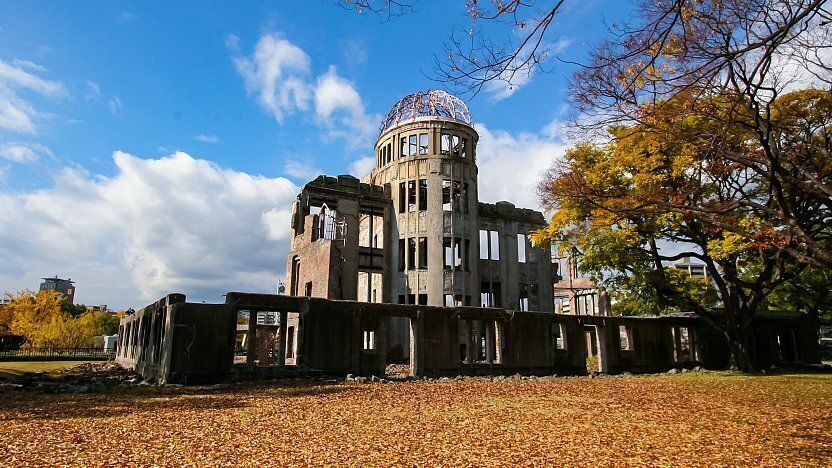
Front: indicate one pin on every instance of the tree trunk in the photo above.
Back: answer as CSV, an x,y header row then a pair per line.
x,y
738,334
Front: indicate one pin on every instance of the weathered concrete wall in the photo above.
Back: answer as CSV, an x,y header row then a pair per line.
x,y
178,342
535,270
171,341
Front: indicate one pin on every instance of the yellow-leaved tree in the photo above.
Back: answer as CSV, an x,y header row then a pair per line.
x,y
38,318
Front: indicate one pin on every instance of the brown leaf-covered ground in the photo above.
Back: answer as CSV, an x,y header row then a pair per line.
x,y
689,419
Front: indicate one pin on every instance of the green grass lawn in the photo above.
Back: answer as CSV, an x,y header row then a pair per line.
x,y
666,420
11,369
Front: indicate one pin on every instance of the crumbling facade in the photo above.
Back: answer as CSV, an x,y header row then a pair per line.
x,y
422,237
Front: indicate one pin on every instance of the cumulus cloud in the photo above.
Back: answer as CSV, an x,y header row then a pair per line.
x,y
16,113
340,108
279,74
276,73
174,224
207,138
362,167
23,152
527,154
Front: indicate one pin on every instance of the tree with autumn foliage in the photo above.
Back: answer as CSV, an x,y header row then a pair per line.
x,y
674,180
41,318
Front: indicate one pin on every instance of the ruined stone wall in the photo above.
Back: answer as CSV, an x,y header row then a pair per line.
x,y
348,337
521,276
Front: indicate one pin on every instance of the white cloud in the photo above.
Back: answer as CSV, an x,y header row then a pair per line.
x,y
301,170
362,167
16,76
16,113
93,91
174,224
276,73
23,152
526,155
28,64
114,105
339,107
207,138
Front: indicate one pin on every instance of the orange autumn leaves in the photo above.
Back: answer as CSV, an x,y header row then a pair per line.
x,y
667,420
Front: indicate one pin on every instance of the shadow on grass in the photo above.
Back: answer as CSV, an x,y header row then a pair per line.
x,y
110,402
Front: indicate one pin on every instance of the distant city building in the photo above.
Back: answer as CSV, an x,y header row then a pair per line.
x,y
575,292
103,309
63,286
693,269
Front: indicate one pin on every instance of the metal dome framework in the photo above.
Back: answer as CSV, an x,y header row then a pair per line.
x,y
433,103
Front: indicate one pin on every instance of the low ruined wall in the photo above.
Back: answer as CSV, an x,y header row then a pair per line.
x,y
171,341
178,342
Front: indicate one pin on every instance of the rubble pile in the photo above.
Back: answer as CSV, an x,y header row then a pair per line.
x,y
82,378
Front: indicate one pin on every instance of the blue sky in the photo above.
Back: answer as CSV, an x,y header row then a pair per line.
x,y
155,147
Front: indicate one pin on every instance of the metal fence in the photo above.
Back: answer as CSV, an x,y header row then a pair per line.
x,y
57,353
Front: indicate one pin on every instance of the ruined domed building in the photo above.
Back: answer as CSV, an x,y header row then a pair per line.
x,y
413,230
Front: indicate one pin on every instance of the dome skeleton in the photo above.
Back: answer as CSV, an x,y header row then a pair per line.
x,y
433,103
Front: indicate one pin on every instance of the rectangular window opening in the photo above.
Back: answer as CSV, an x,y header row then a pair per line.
x,y
625,337
423,143
521,248
587,304
411,195
411,253
483,244
423,194
369,340
494,246
448,300
401,254
559,335
446,195
290,342
523,297
423,253
446,144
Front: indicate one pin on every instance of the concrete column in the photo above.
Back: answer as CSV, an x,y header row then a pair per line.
x,y
252,337
498,341
604,341
391,256
416,345
489,341
469,345
281,344
349,253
